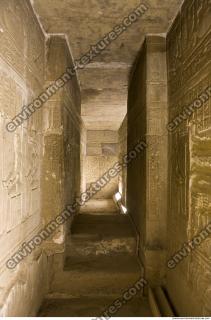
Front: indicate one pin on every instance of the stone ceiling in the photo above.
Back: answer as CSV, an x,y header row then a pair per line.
x,y
104,82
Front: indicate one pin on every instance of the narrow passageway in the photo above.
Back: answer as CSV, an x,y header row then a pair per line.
x,y
105,140
100,266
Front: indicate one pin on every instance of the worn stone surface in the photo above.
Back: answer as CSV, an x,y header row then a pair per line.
x,y
55,155
147,175
94,307
102,151
61,165
104,82
122,152
100,266
189,73
98,206
36,167
22,57
83,140
105,234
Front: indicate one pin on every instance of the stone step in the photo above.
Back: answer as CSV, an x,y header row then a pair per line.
x,y
100,275
95,307
101,246
100,206
97,235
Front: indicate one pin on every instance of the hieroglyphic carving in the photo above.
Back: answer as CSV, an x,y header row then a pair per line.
x,y
147,175
60,172
97,161
20,160
21,76
189,69
27,289
10,155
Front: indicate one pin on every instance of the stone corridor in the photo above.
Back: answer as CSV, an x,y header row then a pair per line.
x,y
105,185
100,265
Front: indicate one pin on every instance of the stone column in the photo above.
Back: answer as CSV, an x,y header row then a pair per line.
x,y
147,174
61,164
156,158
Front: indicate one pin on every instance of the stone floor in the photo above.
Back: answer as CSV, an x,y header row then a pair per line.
x,y
93,307
100,266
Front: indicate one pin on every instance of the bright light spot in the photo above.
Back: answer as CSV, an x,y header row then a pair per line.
x,y
124,210
118,196
120,187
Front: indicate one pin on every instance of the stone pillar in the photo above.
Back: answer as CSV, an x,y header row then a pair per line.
x,y
147,175
61,164
83,157
156,158
122,152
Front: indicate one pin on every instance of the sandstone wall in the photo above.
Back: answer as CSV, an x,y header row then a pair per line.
x,y
40,161
61,160
136,173
122,152
102,151
189,73
83,156
147,174
22,57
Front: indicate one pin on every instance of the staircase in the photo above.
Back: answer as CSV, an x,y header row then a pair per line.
x,y
100,266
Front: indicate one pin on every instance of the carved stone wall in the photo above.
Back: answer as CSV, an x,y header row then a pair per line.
x,y
136,173
40,161
189,73
25,288
122,152
102,151
22,56
61,162
147,174
99,152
